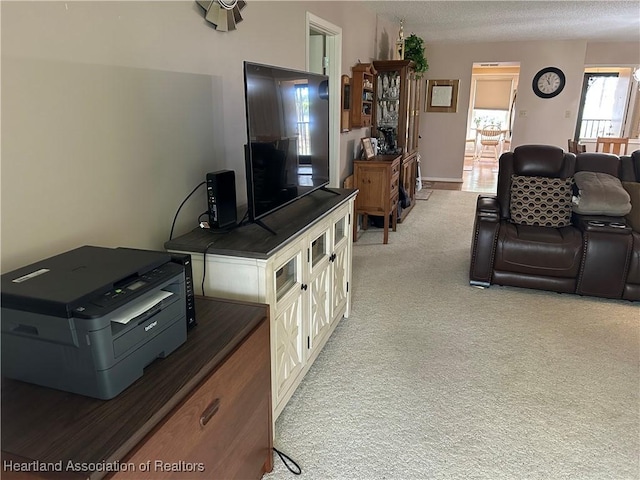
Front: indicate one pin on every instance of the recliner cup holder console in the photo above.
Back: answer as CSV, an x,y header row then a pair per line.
x,y
597,223
604,224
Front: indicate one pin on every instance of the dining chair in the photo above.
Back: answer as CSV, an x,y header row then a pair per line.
x,y
490,137
613,145
576,147
506,141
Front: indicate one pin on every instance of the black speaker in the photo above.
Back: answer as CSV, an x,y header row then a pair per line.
x,y
221,198
185,261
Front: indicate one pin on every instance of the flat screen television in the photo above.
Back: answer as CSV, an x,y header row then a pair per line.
x,y
287,151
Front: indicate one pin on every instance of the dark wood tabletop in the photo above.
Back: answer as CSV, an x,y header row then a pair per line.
x,y
46,425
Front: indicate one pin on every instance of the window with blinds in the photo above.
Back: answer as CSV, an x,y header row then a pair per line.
x,y
493,94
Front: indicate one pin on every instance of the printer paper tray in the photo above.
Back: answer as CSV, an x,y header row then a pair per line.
x,y
140,308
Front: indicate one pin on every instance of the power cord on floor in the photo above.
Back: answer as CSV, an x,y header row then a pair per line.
x,y
285,459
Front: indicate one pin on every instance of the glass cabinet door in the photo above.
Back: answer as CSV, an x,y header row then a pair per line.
x,y
388,111
287,276
319,249
340,230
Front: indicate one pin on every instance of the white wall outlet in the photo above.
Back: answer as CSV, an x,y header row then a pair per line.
x,y
522,113
567,114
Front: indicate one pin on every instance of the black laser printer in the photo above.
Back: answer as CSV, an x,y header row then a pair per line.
x,y
89,320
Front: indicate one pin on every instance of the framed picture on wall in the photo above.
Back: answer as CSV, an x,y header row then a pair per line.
x,y
345,114
442,96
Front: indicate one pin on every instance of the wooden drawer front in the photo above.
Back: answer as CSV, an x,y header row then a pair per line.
x,y
221,428
395,167
395,181
394,202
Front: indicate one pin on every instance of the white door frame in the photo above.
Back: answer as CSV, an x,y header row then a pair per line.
x,y
333,35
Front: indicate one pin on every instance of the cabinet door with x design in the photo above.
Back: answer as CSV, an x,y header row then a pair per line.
x,y
319,263
289,326
311,280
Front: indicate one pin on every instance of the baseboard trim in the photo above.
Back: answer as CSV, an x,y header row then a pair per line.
x,y
441,179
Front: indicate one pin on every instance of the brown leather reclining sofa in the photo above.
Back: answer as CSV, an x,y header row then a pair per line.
x,y
596,255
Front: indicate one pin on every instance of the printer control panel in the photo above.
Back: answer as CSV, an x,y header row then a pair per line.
x,y
121,293
125,291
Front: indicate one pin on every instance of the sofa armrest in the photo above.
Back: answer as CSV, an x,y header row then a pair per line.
x,y
488,208
485,237
607,248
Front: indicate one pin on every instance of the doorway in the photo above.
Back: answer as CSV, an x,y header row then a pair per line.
x,y
324,55
490,118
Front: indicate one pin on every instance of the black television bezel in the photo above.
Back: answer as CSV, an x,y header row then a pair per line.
x,y
247,149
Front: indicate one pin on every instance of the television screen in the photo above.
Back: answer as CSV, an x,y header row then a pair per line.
x,y
287,154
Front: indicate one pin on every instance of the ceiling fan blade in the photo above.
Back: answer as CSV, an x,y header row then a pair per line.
x,y
206,4
231,19
223,20
213,13
237,18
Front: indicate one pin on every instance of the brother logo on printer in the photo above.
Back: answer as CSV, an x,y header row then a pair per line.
x,y
150,326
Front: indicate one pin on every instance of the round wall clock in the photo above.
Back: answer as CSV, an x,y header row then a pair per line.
x,y
548,82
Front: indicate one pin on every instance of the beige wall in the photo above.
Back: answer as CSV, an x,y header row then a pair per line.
x,y
112,112
613,54
548,121
354,44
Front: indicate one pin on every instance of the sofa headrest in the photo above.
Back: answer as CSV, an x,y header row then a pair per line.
x,y
630,167
543,161
598,162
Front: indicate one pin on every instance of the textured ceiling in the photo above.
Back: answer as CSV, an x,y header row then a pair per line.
x,y
482,21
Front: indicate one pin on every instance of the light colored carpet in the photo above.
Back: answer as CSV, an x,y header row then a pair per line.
x,y
432,379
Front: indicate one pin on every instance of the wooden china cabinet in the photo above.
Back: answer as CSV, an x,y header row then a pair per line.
x,y
396,115
363,94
